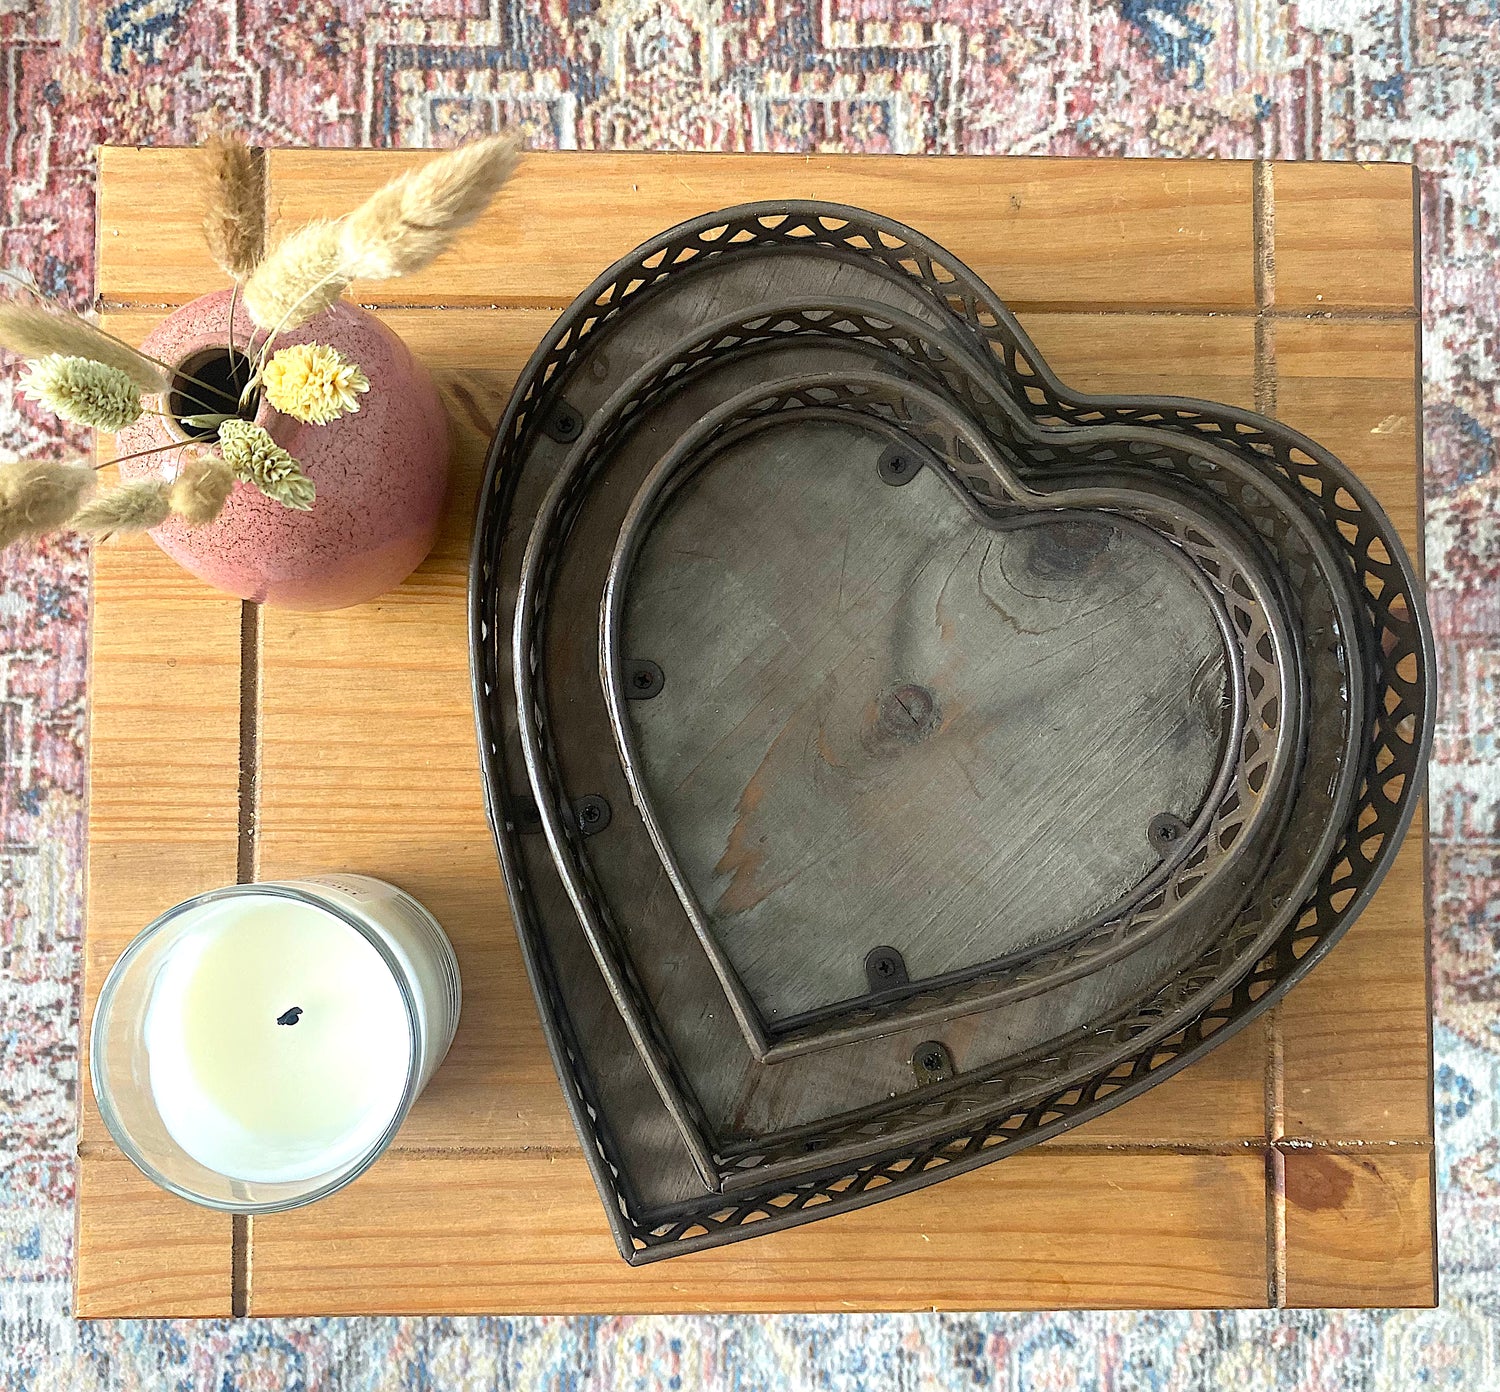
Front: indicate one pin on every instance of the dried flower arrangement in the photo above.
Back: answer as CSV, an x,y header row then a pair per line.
x,y
89,377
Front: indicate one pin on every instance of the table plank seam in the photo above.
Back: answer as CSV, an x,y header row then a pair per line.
x,y
1275,1228
247,866
1263,376
124,304
1263,250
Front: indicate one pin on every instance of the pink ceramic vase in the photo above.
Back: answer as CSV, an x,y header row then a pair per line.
x,y
381,472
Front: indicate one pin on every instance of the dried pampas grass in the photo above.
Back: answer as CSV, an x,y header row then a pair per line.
x,y
234,218
415,217
34,332
396,231
39,495
132,507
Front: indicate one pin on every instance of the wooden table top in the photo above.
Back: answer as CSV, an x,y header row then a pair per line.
x,y
1293,1166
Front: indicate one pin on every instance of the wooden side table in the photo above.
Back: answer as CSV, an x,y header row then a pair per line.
x,y
1292,1167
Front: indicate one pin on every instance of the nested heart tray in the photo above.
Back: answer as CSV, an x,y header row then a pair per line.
x,y
894,756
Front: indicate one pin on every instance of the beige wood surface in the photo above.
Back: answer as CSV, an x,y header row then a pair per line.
x,y
1230,1184
1156,1230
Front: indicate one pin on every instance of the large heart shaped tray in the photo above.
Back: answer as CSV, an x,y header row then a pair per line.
x,y
742,397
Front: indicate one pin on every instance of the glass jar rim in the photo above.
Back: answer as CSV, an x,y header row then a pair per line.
x,y
98,1067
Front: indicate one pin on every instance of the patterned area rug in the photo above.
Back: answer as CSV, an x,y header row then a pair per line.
x,y
1328,79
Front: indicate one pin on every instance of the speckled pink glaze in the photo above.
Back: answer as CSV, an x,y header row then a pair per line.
x,y
381,472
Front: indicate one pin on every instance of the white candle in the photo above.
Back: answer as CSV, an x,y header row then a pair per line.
x,y
278,1042
257,1047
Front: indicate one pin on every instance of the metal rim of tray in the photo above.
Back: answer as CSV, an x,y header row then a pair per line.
x,y
1395,635
580,890
649,1031
571,483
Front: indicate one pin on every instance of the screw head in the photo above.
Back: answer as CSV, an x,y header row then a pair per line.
x,y
1166,830
897,466
591,814
644,679
931,1062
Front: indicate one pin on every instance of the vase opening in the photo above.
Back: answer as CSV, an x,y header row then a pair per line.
x,y
210,382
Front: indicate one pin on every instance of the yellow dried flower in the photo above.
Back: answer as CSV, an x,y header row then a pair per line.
x,y
83,391
39,495
314,383
256,458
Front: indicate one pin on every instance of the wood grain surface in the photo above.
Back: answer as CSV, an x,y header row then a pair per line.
x,y
1293,1165
1155,1230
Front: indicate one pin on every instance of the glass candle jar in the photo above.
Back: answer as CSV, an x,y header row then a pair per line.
x,y
258,1047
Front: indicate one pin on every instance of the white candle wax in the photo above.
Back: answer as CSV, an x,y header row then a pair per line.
x,y
278,1041
256,1047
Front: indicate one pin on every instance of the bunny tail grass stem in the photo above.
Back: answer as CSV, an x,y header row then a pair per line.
x,y
141,454
166,367
234,295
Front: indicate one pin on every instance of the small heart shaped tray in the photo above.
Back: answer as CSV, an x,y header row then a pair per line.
x,y
894,756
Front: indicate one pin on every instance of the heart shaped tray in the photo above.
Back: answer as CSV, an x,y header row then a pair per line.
x,y
896,757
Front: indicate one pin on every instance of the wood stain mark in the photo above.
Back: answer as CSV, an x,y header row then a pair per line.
x,y
473,412
1322,1181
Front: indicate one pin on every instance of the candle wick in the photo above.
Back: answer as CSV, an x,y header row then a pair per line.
x,y
290,1017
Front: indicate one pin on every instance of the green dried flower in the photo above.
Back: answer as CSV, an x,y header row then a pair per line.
x,y
84,391
256,458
